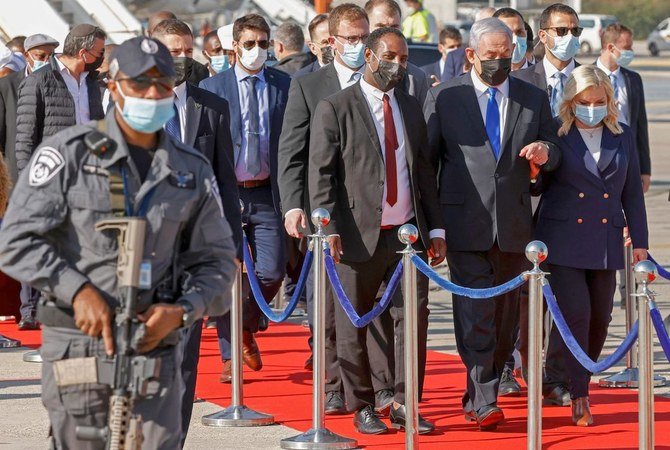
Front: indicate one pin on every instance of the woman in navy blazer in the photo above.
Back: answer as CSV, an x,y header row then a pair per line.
x,y
586,204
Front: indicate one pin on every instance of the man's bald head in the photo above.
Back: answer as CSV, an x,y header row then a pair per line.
x,y
157,18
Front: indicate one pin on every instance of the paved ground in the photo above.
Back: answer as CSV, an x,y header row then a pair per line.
x,y
23,422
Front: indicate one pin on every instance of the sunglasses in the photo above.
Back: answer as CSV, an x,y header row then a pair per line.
x,y
562,31
354,40
144,83
248,45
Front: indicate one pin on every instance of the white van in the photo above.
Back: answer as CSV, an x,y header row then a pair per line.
x,y
659,38
594,25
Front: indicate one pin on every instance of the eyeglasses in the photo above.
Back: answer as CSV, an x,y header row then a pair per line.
x,y
248,45
354,40
143,83
562,31
102,53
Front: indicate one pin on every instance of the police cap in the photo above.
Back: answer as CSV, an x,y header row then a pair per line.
x,y
139,54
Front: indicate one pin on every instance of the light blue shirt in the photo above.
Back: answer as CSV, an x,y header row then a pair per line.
x,y
264,124
620,94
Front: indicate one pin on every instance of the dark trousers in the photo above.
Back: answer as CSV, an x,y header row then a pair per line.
x,y
265,232
484,327
363,282
585,298
295,251
29,298
189,373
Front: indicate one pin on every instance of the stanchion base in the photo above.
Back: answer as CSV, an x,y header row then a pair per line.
x,y
237,416
321,439
9,343
32,356
628,378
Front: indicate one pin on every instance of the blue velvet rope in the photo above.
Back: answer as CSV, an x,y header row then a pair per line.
x,y
573,345
256,288
463,291
661,332
356,320
661,270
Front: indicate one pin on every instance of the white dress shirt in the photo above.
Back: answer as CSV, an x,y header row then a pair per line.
x,y
180,103
621,93
79,92
403,210
502,97
592,138
346,76
550,70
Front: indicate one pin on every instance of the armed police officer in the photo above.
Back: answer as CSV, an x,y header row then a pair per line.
x,y
126,166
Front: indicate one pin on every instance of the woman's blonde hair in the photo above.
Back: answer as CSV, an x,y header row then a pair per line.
x,y
582,78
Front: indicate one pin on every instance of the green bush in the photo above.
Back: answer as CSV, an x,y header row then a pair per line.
x,y
640,15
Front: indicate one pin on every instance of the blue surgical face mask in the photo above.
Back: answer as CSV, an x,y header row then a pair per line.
x,y
520,49
219,63
354,55
625,57
145,115
590,115
565,47
39,64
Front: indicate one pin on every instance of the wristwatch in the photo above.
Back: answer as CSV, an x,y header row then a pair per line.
x,y
188,318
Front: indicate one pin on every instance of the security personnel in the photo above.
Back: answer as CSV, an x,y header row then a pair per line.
x,y
48,240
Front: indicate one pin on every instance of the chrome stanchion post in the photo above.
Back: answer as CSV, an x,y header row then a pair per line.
x,y
408,234
237,415
319,437
536,252
645,273
33,356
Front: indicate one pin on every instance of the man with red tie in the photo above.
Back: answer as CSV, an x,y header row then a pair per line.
x,y
371,170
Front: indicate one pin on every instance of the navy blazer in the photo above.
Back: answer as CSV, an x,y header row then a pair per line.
x,y
225,86
638,118
313,67
453,67
585,205
433,70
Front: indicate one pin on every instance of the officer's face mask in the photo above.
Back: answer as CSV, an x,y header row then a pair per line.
x,y
327,55
253,59
353,56
37,64
145,115
494,72
182,67
625,57
565,47
95,64
520,46
219,63
388,74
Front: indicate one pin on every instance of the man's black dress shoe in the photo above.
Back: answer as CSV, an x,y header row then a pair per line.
x,y
383,401
367,422
487,417
559,396
28,323
334,403
508,384
397,417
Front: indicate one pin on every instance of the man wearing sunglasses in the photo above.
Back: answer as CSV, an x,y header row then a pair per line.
x,y
125,165
257,97
559,32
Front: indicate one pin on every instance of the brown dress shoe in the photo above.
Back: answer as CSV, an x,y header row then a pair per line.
x,y
581,413
226,375
250,352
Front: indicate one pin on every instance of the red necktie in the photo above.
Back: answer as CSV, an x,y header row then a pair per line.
x,y
390,145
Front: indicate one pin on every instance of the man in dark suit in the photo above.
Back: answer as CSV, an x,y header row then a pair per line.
x,y
256,97
616,54
484,149
288,45
201,121
318,45
370,191
455,65
559,31
450,40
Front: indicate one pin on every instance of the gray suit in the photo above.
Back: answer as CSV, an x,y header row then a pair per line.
x,y
348,180
486,206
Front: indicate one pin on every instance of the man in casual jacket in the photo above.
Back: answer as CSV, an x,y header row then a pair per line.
x,y
62,95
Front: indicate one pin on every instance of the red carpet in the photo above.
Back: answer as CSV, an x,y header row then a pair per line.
x,y
283,388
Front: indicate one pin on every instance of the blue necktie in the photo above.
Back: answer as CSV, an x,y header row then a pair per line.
x,y
493,122
172,126
253,157
557,94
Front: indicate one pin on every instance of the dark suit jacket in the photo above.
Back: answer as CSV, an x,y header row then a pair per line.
x,y
433,70
415,83
9,88
581,215
453,66
314,67
207,129
225,86
638,118
535,75
291,64
305,93
346,160
483,200
196,72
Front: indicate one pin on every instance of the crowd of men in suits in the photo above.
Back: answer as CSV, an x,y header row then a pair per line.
x,y
456,148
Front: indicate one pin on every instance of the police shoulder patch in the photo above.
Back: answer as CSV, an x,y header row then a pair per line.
x,y
47,162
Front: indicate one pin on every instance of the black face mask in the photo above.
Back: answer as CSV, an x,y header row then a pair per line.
x,y
388,74
327,56
495,71
182,67
93,66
